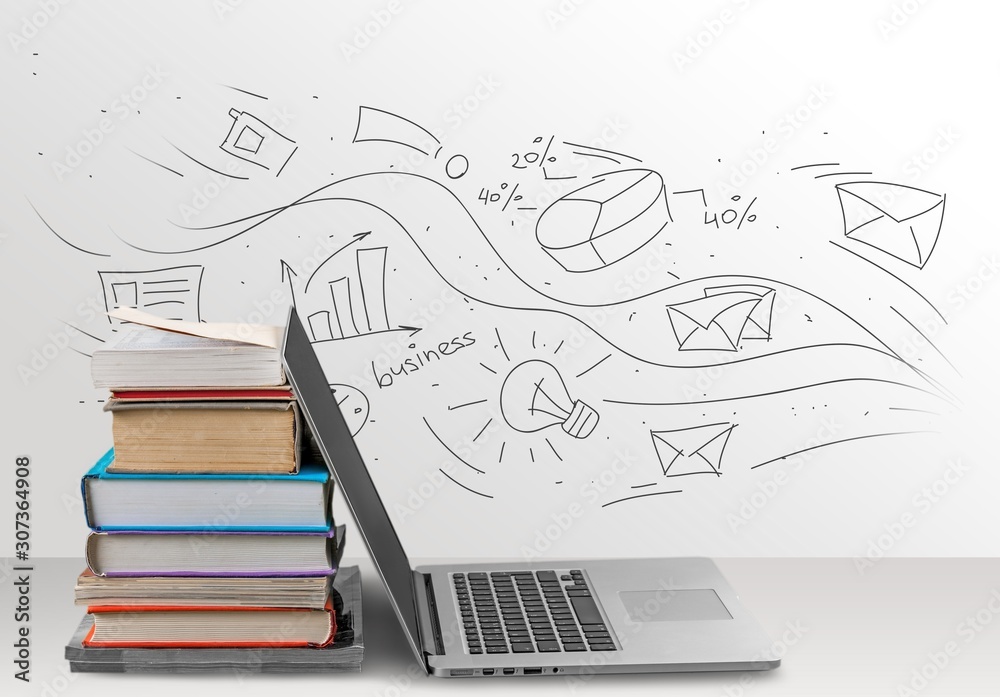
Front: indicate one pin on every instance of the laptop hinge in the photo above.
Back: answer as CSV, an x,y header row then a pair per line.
x,y
431,639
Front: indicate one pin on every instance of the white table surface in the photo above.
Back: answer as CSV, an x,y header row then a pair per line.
x,y
858,634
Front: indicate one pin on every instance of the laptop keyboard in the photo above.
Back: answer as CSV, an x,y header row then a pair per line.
x,y
529,612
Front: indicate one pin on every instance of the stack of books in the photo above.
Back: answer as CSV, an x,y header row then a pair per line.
x,y
343,655
212,541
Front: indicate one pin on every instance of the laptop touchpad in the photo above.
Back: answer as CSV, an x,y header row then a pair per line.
x,y
674,605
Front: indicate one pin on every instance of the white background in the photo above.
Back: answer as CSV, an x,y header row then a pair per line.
x,y
694,89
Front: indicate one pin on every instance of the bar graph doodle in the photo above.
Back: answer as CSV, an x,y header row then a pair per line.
x,y
351,305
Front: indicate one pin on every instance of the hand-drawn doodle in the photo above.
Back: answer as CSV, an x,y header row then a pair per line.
x,y
890,273
243,91
715,322
616,214
758,324
457,166
534,396
354,240
839,442
727,216
477,493
345,313
214,170
353,405
543,156
91,347
371,280
604,221
601,153
639,496
508,288
695,450
343,309
815,164
61,238
377,125
828,174
173,293
450,450
532,158
841,174
154,162
902,221
730,215
488,196
926,338
253,141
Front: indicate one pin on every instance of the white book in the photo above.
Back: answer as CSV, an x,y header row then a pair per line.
x,y
141,356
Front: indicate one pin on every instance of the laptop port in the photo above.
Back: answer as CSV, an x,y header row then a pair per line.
x,y
532,671
488,671
508,671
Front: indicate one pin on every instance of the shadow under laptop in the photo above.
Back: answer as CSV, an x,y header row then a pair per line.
x,y
386,650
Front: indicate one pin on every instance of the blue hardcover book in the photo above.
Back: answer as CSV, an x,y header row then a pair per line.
x,y
207,502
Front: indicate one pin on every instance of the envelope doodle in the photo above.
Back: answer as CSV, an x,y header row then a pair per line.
x,y
723,318
696,450
902,221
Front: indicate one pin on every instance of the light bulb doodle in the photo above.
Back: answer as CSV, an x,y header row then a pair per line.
x,y
534,397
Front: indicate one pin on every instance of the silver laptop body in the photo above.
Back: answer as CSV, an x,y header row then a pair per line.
x,y
564,617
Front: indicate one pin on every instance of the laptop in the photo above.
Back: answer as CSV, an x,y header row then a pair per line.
x,y
532,618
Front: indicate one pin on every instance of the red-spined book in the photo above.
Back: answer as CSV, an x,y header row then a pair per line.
x,y
189,395
155,626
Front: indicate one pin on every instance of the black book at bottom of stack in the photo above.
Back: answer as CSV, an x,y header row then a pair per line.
x,y
344,654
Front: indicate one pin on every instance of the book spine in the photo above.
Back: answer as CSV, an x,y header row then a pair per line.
x,y
297,437
91,554
189,573
333,625
210,529
86,501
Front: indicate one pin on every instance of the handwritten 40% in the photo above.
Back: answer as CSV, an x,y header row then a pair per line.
x,y
488,196
729,216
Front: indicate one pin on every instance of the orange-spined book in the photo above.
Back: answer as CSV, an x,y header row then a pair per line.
x,y
154,626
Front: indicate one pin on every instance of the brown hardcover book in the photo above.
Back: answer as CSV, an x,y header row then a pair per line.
x,y
226,436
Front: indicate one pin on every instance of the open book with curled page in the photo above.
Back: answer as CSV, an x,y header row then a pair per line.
x,y
153,352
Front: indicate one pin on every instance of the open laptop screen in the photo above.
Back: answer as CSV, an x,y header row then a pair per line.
x,y
342,457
